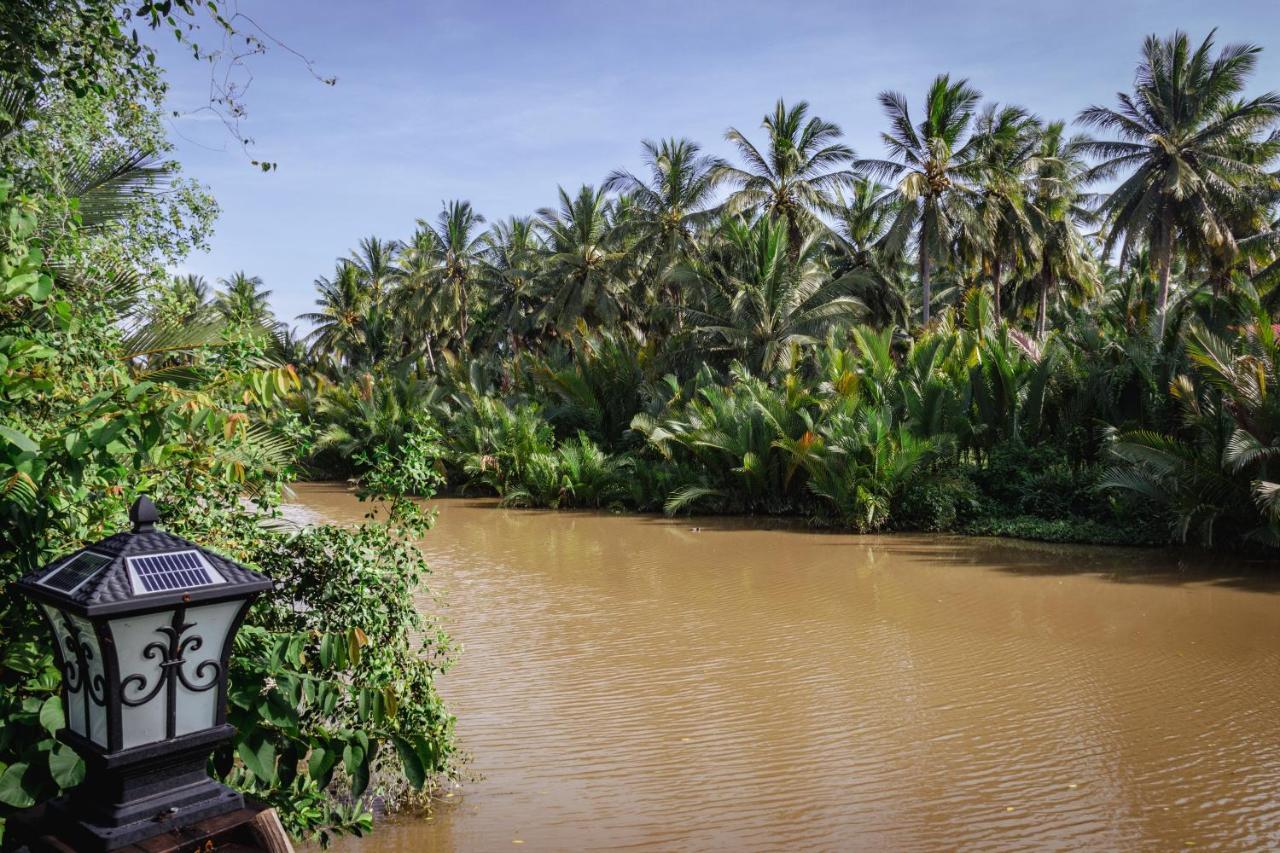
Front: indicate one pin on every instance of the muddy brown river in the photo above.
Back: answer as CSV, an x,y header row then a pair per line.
x,y
711,684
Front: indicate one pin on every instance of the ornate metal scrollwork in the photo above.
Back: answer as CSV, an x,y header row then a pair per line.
x,y
80,673
171,653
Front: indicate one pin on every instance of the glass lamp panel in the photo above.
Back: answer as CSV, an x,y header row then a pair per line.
x,y
142,642
96,680
75,698
197,694
86,710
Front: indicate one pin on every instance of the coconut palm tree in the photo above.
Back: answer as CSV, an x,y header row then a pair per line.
x,y
862,220
243,302
375,260
859,264
1191,147
1004,239
759,298
457,251
797,175
416,300
1056,208
510,275
191,296
935,167
339,324
675,200
583,259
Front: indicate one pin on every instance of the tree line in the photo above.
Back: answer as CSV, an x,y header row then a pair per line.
x,y
995,290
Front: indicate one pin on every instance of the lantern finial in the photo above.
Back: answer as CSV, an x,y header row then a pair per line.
x,y
143,514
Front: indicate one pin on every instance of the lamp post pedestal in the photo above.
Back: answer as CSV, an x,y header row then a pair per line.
x,y
135,794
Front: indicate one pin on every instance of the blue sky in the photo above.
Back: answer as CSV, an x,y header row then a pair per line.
x,y
500,102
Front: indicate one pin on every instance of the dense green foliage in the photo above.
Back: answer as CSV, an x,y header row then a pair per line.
x,y
111,386
995,328
983,343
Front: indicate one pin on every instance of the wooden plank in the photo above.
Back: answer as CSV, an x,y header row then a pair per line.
x,y
269,833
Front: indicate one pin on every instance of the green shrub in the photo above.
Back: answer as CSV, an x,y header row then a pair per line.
x,y
1070,529
936,502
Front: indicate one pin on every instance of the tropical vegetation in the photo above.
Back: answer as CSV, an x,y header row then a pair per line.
x,y
111,386
996,326
1000,324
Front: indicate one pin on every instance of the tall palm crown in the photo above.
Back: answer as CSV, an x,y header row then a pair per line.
x,y
375,262
798,173
243,301
935,167
1056,207
759,298
668,207
339,323
509,274
458,248
1194,151
1002,237
862,218
192,294
582,240
416,299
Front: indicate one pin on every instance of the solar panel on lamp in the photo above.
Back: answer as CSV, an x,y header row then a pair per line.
x,y
73,573
170,572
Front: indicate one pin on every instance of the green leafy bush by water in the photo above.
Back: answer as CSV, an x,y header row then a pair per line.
x,y
333,698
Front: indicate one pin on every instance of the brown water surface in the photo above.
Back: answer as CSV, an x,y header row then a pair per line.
x,y
710,684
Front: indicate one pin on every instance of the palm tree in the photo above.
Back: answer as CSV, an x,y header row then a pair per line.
x,y
242,302
416,300
758,302
1004,238
862,220
339,324
797,175
583,259
191,293
459,245
509,275
859,264
1056,188
936,167
1193,148
375,263
676,200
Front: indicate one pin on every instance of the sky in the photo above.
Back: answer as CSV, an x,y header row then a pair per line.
x,y
500,102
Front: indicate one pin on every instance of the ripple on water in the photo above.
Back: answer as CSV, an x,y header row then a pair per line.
x,y
629,683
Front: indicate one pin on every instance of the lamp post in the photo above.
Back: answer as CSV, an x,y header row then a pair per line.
x,y
143,624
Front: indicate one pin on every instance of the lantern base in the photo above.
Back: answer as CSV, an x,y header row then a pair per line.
x,y
129,796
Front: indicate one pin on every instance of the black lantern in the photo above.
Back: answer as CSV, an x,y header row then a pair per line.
x,y
143,623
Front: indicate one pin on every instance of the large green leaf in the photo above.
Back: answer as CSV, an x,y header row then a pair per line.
x,y
413,768
15,789
65,766
320,765
19,439
51,716
259,757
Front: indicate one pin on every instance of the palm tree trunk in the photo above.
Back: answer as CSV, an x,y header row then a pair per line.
x,y
1042,311
1165,261
926,290
794,238
462,316
995,287
431,357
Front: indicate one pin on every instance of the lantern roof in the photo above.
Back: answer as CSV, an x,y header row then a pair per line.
x,y
141,570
